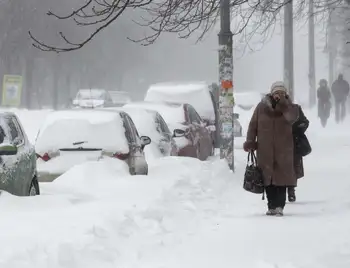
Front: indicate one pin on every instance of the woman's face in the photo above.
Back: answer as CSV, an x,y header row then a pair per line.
x,y
278,95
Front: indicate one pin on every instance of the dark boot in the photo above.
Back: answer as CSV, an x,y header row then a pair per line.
x,y
291,194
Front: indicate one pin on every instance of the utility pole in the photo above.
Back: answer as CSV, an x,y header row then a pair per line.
x,y
288,48
312,78
226,99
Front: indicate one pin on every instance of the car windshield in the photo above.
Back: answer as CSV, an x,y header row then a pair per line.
x,y
108,135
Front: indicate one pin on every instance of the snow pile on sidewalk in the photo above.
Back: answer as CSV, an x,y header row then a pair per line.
x,y
186,213
96,215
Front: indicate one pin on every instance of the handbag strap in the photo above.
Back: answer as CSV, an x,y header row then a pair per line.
x,y
252,158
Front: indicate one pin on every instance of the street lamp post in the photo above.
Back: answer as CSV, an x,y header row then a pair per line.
x,y
226,99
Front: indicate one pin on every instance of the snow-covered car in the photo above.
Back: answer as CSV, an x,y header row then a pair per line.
x,y
18,174
198,94
119,98
237,127
72,137
190,132
92,98
151,123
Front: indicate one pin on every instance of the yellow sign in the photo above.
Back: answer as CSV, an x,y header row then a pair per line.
x,y
11,90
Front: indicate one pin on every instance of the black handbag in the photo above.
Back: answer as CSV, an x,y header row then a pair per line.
x,y
302,145
253,176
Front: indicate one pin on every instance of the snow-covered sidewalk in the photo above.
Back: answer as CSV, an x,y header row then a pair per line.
x,y
312,234
186,213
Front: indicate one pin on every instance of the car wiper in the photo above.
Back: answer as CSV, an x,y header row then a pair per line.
x,y
80,149
79,142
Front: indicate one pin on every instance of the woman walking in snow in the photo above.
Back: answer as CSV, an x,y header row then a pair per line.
x,y
270,132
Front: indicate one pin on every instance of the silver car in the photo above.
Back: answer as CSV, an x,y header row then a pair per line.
x,y
18,174
68,138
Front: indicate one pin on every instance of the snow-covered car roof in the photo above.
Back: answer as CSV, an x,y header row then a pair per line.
x,y
144,120
172,113
7,113
196,94
94,128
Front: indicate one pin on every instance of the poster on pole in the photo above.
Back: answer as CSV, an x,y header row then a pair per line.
x,y
11,90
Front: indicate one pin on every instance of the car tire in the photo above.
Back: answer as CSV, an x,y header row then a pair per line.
x,y
34,188
212,153
132,171
198,152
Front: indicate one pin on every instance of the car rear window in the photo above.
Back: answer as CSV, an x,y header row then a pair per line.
x,y
107,134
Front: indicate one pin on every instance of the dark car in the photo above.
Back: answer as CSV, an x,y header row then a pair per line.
x,y
72,137
199,94
191,133
18,173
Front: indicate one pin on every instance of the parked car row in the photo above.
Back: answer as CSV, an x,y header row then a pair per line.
x,y
178,119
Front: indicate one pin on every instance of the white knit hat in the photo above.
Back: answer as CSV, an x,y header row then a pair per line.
x,y
278,86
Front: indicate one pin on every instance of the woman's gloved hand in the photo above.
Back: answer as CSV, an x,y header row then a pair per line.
x,y
283,103
250,146
274,102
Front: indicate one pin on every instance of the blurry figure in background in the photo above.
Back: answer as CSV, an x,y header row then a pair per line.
x,y
301,148
324,101
340,90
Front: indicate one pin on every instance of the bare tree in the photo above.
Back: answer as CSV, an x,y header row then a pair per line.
x,y
183,17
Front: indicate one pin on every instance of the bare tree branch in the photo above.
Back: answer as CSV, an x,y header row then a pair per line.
x,y
182,17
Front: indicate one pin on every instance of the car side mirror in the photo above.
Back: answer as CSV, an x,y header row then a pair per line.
x,y
178,133
8,149
211,128
145,140
206,122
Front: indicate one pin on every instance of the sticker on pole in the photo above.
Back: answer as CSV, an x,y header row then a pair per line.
x,y
226,84
227,129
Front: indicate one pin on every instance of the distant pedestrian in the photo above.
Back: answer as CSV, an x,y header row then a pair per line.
x,y
301,147
340,90
324,101
270,132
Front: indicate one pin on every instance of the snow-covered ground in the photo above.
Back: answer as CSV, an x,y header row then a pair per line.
x,y
186,213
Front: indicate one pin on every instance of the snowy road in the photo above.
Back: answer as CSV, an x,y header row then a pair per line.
x,y
186,213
